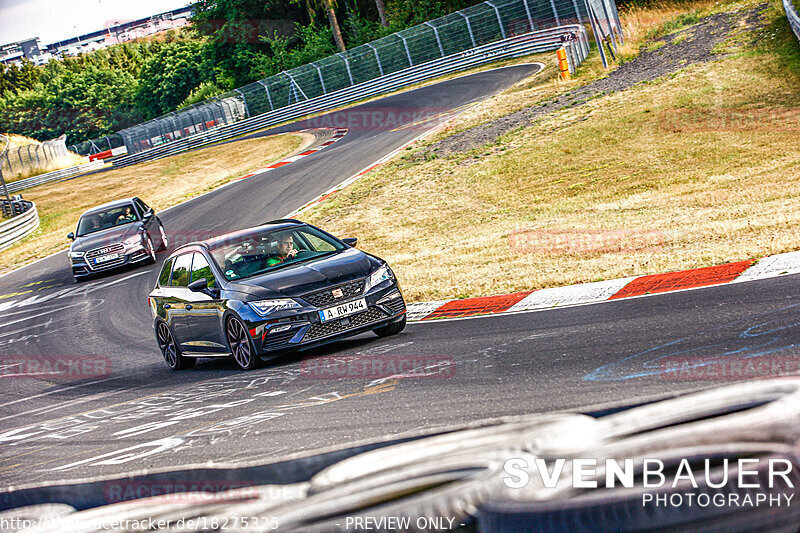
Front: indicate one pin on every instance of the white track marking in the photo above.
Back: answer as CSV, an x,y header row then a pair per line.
x,y
57,391
25,319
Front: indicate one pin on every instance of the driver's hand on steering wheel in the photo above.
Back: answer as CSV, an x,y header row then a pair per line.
x,y
292,253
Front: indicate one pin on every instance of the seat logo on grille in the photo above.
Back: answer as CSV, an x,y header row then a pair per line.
x,y
337,293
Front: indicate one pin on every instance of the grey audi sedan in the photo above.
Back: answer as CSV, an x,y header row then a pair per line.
x,y
113,235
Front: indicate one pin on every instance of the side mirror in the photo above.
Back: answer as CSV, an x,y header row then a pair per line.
x,y
71,236
199,285
148,215
350,241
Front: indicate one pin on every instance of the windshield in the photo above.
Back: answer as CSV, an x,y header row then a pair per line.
x,y
259,251
100,220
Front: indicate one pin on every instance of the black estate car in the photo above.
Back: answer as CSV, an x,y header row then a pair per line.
x,y
115,234
284,285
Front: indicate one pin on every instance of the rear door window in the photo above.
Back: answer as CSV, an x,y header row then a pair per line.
x,y
163,278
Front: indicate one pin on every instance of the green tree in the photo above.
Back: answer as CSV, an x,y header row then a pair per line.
x,y
84,105
235,30
170,75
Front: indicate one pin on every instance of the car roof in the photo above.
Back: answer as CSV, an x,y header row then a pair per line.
x,y
269,226
107,205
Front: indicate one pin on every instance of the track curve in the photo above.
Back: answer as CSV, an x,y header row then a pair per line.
x,y
134,413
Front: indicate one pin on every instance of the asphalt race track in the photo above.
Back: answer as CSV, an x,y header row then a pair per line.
x,y
130,412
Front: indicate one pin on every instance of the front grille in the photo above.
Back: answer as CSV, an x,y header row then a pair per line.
x,y
324,329
118,248
274,340
110,249
325,297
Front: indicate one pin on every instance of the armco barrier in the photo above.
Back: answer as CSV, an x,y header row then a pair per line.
x,y
794,18
19,226
27,183
529,43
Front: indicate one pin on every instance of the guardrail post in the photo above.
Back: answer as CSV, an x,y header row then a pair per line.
x,y
347,66
438,40
596,32
555,12
610,27
377,58
528,12
266,89
295,87
577,11
499,20
405,44
244,101
321,81
469,29
572,57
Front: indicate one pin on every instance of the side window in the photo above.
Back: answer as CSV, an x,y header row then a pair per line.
x,y
163,278
318,244
180,273
201,269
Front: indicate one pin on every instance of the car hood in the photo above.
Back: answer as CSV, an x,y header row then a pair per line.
x,y
105,237
302,278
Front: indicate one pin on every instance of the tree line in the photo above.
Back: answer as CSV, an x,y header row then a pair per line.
x,y
230,43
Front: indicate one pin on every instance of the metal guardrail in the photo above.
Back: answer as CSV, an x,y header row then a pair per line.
x,y
24,221
792,15
529,43
56,175
489,22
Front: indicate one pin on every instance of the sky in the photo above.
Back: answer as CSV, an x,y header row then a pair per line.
x,y
55,20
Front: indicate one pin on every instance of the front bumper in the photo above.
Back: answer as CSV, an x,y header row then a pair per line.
x,y
303,329
133,254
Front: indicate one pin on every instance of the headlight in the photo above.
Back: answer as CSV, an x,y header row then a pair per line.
x,y
266,307
382,274
77,254
136,239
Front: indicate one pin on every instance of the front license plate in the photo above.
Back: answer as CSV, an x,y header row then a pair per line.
x,y
104,258
346,309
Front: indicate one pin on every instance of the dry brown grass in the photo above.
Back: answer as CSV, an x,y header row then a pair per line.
x,y
699,169
161,184
637,22
17,173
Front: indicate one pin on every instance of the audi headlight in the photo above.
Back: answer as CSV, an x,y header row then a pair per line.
x,y
131,241
379,276
266,307
77,254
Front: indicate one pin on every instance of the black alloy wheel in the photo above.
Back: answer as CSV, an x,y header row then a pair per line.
x,y
170,350
241,348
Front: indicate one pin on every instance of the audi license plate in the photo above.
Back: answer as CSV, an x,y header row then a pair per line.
x,y
104,258
346,309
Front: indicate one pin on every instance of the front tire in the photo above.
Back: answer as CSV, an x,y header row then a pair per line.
x,y
170,349
391,329
240,345
163,235
151,251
